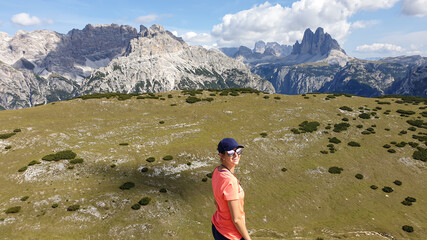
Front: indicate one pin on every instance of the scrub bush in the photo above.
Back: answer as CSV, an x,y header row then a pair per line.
x,y
33,163
167,158
144,169
407,228
391,151
127,185
73,208
22,169
17,130
136,206
144,201
284,169
6,135
25,198
162,122
67,154
204,179
401,144
406,203
341,127
359,126
150,159
308,126
335,170
386,146
374,187
77,160
264,134
410,199
334,140
413,144
387,189
397,182
359,176
163,190
420,154
55,205
365,116
123,144
354,144
345,108
8,147
295,131
13,210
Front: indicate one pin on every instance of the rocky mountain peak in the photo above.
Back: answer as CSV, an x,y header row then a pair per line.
x,y
318,43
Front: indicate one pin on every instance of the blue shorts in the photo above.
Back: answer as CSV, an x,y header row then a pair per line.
x,y
219,236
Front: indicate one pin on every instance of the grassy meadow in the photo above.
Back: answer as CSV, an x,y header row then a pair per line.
x,y
289,192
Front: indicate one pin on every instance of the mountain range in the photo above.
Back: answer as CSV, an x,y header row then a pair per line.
x,y
44,66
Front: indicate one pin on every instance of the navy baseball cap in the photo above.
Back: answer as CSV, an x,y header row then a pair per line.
x,y
228,144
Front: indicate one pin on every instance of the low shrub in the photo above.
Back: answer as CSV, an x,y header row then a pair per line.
x,y
144,169
416,123
67,154
391,151
335,170
387,129
401,144
162,122
345,108
403,132
406,203
77,160
73,208
209,175
397,182
374,187
334,140
353,144
167,158
8,147
163,190
345,119
404,112
127,185
264,134
136,206
113,165
410,199
266,97
34,162
277,98
307,126
413,144
144,201
386,146
70,167
365,116
284,169
359,126
13,210
6,135
341,127
328,127
123,144
150,159
420,154
387,189
17,130
192,99
412,129
173,105
359,176
324,152
407,228
22,169
55,205
25,198
205,179
295,131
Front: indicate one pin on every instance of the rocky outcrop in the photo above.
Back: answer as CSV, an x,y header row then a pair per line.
x,y
157,61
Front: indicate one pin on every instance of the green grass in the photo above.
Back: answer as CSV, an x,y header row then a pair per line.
x,y
305,202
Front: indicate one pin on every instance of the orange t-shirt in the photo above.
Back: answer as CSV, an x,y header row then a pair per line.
x,y
226,187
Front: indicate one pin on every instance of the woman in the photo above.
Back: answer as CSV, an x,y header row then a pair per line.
x,y
228,222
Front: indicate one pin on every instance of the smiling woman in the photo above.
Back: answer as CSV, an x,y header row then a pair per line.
x,y
228,222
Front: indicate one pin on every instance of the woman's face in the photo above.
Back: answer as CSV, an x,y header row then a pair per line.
x,y
233,159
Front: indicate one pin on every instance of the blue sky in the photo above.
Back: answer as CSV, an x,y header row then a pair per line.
x,y
363,28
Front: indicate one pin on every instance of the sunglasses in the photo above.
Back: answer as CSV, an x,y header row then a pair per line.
x,y
232,152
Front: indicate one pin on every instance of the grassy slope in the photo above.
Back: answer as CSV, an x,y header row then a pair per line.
x,y
305,202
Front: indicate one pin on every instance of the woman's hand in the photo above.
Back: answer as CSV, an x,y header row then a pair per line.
x,y
238,219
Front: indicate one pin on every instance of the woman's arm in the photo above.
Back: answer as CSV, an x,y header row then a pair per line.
x,y
238,219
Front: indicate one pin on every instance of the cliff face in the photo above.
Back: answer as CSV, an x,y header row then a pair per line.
x,y
158,61
44,66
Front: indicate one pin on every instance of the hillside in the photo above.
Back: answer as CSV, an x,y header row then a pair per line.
x,y
289,192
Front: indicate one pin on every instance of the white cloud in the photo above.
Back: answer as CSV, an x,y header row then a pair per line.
x,y
25,19
364,24
287,24
380,48
414,42
147,19
193,38
416,8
